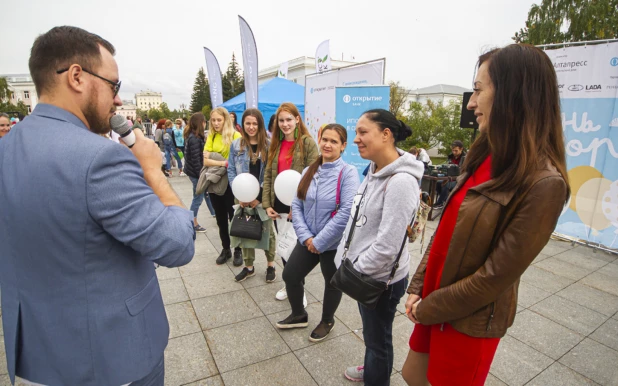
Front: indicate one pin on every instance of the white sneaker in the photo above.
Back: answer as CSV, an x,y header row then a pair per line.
x,y
282,294
304,300
181,174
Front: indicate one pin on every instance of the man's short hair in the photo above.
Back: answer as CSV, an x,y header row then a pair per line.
x,y
458,144
59,48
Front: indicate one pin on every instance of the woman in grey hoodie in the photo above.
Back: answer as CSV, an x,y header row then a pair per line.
x,y
389,198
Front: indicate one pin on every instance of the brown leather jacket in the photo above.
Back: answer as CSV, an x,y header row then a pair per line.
x,y
496,237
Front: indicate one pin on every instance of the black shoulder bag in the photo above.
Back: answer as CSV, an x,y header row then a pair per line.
x,y
246,226
360,287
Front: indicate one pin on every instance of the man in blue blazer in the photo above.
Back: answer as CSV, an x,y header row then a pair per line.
x,y
83,222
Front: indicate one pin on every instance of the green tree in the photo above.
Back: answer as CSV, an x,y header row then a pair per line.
x,y
233,80
398,98
5,93
19,108
165,111
206,111
556,21
155,114
201,92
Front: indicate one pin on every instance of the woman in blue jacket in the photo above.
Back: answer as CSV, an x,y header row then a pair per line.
x,y
248,154
321,211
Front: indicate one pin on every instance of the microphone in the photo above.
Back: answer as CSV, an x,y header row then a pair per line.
x,y
121,127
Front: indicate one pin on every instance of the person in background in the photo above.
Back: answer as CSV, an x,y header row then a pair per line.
x,y
414,151
291,147
179,135
5,124
423,157
248,154
387,200
235,122
271,125
320,217
130,121
463,296
194,160
159,130
138,125
457,157
219,140
169,141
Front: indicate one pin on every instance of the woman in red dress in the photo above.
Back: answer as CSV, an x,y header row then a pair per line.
x,y
463,296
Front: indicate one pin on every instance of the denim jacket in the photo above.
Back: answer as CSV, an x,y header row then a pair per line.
x,y
238,162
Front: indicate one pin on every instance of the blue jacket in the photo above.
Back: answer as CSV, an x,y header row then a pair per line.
x,y
178,136
312,217
81,303
238,162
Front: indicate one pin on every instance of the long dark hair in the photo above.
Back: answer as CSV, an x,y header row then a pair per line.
x,y
305,182
262,138
387,120
525,127
235,119
275,142
195,126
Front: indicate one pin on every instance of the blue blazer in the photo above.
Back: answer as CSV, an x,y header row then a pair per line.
x,y
80,231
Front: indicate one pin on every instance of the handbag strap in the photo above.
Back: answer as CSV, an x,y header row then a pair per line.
x,y
353,226
338,197
403,244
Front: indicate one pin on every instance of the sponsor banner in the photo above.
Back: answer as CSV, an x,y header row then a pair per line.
x,y
250,62
213,72
283,70
588,81
351,103
322,57
320,96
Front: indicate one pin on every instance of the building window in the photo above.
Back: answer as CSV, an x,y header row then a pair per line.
x,y
29,109
26,94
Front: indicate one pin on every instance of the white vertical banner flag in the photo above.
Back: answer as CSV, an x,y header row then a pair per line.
x,y
283,70
322,57
214,78
250,62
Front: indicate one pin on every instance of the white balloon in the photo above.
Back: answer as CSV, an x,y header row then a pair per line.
x,y
286,185
245,187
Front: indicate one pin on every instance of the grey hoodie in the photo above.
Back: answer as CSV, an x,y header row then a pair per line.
x,y
391,199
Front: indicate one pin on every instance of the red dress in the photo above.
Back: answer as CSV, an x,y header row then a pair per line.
x,y
454,358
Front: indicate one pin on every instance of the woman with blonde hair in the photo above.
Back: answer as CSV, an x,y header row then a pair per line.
x,y
219,140
291,147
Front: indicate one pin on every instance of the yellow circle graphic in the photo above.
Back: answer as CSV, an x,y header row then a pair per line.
x,y
577,177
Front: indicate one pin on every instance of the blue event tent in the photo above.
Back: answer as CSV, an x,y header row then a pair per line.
x,y
270,95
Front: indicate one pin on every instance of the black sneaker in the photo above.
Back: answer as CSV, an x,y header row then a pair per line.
x,y
321,332
244,274
199,228
225,255
237,257
271,275
293,322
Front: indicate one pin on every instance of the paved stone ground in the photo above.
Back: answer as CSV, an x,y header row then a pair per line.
x,y
223,333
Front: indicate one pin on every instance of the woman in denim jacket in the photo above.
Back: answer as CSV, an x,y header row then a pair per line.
x,y
321,211
248,154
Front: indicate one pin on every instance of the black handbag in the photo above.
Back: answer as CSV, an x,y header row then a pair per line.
x,y
246,226
360,287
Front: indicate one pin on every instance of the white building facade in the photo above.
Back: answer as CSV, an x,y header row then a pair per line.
x,y
297,69
439,93
146,100
22,87
127,110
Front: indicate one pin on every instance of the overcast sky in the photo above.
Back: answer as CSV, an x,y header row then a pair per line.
x,y
159,43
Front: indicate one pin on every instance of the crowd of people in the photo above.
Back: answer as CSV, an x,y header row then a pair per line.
x,y
83,306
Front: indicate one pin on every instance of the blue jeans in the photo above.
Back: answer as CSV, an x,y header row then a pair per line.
x,y
378,335
197,199
169,152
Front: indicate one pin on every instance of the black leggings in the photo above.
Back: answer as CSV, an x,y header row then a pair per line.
x,y
300,264
224,213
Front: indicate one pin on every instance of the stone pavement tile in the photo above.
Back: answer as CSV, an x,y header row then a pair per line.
x,y
349,314
397,380
212,233
492,380
529,295
209,284
600,301
182,319
220,310
1,328
560,375
3,366
554,247
571,315
164,273
212,381
314,284
284,370
202,264
173,291
602,282
610,270
596,253
607,334
545,280
297,338
264,296
5,380
327,361
562,268
515,363
594,361
203,246
188,359
589,262
260,275
245,343
540,257
543,335
402,329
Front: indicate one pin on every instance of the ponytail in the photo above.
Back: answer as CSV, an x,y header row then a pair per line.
x,y
305,182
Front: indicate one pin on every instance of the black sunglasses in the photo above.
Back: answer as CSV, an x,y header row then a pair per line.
x,y
115,86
